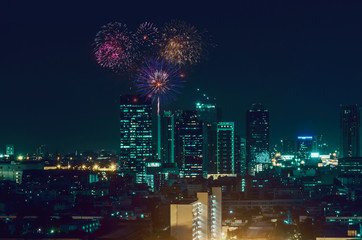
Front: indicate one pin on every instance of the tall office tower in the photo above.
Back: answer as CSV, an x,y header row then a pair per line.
x,y
305,146
136,135
240,155
225,148
209,114
179,159
192,141
237,154
257,136
243,169
41,151
199,219
211,148
167,137
287,147
351,130
10,150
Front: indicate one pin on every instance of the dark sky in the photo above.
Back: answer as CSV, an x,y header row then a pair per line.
x,y
299,58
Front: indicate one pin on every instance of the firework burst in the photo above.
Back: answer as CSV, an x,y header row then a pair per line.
x,y
181,43
159,80
114,47
148,35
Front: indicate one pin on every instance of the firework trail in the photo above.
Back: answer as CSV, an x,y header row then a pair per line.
x,y
159,80
181,43
114,47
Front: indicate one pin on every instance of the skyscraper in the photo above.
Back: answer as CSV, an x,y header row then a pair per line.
x,y
192,143
225,148
209,114
351,130
287,147
10,150
136,135
168,137
305,146
257,136
240,155
243,167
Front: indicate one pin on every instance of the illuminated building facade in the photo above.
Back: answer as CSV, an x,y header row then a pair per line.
x,y
135,135
209,114
13,171
257,135
225,148
10,150
191,132
199,219
351,130
350,165
240,155
305,146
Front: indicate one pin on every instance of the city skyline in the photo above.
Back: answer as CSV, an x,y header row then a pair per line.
x,y
293,67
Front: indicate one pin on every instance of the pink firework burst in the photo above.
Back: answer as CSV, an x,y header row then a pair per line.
x,y
114,47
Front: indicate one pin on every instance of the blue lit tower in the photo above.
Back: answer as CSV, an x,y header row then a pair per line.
x,y
257,136
351,130
305,146
135,135
225,148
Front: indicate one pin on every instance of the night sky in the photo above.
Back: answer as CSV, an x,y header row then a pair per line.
x,y
301,59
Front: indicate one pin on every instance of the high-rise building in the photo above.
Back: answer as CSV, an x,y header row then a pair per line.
x,y
351,130
237,154
190,132
257,136
135,135
209,114
199,219
225,148
168,137
41,151
305,146
240,155
10,150
243,168
287,147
